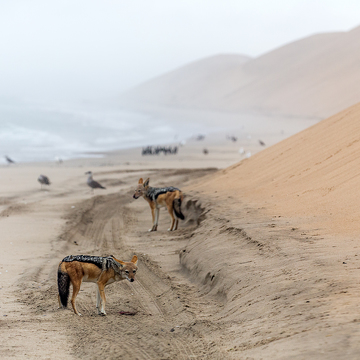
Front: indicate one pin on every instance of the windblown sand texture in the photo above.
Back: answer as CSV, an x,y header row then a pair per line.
x,y
313,174
313,77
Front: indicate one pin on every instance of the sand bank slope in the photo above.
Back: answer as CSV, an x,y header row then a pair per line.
x,y
315,76
312,174
279,246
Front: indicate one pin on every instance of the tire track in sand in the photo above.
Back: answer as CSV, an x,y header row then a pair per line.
x,y
155,296
101,227
151,296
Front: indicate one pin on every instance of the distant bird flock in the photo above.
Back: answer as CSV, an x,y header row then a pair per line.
x,y
156,150
148,150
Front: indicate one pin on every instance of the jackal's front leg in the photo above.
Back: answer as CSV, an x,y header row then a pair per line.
x,y
101,309
154,227
157,214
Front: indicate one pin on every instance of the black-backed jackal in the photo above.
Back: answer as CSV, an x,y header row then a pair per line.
x,y
100,270
169,197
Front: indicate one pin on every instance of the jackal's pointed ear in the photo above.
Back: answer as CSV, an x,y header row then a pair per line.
x,y
146,183
141,180
134,259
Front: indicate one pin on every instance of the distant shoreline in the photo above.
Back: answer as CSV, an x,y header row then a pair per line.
x,y
76,133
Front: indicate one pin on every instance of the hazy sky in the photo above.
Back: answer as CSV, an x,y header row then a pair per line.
x,y
86,49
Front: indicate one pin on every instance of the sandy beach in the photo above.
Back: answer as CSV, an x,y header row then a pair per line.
x,y
253,272
250,108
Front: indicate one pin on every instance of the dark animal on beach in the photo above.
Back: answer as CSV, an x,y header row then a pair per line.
x,y
75,269
92,183
10,161
166,150
232,138
261,143
169,197
43,180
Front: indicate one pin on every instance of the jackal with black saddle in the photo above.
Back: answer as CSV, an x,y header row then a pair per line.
x,y
169,197
103,271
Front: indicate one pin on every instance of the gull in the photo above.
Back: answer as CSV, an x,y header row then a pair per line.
x,y
58,160
43,180
92,183
10,161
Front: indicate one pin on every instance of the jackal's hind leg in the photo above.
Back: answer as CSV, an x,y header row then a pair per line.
x,y
76,289
172,219
60,304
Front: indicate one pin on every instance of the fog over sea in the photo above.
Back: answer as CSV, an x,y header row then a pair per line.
x,y
33,132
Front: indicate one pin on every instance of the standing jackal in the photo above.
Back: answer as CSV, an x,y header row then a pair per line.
x,y
169,197
100,270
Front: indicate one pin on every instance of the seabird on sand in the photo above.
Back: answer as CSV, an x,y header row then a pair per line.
x,y
10,161
43,180
92,183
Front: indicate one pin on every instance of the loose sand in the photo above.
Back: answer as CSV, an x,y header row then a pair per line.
x,y
264,267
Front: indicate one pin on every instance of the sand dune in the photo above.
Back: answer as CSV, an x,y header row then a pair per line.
x,y
279,248
313,77
313,174
193,84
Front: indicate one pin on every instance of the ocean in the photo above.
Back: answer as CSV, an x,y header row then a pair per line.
x,y
32,132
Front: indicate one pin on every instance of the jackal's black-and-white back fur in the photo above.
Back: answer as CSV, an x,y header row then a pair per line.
x,y
154,192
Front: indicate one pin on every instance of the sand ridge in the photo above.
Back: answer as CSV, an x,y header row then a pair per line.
x,y
312,174
312,77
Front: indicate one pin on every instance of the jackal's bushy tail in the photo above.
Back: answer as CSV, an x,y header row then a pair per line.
x,y
63,286
177,208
